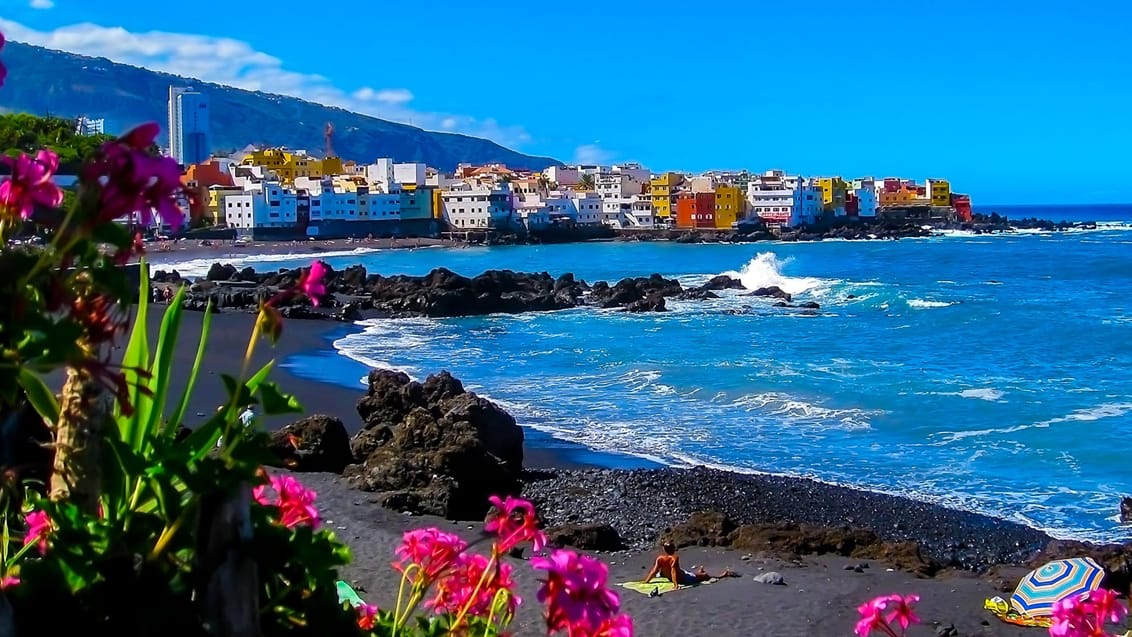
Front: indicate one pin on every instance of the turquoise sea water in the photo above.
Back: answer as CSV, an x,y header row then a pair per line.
x,y
986,373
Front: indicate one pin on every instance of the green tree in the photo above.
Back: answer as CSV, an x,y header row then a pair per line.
x,y
586,182
25,133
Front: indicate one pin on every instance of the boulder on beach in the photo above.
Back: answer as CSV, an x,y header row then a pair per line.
x,y
434,447
599,536
315,443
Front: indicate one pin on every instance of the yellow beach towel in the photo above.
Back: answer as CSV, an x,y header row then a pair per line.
x,y
1001,609
661,584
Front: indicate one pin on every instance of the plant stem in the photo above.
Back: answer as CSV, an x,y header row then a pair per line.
x,y
76,474
492,566
168,532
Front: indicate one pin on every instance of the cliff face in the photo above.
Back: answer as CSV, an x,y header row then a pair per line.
x,y
42,81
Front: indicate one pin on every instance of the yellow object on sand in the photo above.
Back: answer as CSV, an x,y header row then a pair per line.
x,y
661,585
1001,609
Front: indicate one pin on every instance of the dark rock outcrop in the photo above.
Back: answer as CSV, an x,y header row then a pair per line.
x,y
434,447
631,291
587,537
1126,509
723,282
315,443
773,292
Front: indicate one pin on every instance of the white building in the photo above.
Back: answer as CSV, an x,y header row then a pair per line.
x,y
563,176
586,208
643,215
479,208
618,186
188,126
86,127
779,199
413,173
616,213
866,202
273,206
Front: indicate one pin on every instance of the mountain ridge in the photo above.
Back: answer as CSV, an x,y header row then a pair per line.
x,y
45,81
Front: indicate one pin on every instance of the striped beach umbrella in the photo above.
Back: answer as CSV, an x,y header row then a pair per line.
x,y
1043,587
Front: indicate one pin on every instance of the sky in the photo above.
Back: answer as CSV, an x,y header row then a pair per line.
x,y
1014,102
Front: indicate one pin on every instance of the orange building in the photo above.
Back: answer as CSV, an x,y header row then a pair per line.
x,y
197,180
695,210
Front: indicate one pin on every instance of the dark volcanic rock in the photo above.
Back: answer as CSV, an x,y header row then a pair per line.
x,y
704,528
697,294
434,447
445,293
773,292
315,443
220,272
654,303
629,291
1126,509
722,282
587,537
649,501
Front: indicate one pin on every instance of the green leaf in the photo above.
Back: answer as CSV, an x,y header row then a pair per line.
x,y
40,397
179,413
276,402
136,357
259,377
161,370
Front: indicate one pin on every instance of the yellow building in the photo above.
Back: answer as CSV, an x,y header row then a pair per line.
x,y
330,166
730,205
939,191
288,165
662,190
216,195
833,191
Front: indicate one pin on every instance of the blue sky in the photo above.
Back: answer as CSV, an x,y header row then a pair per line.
x,y
1015,102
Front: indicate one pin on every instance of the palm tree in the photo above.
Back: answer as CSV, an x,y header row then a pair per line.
x,y
544,185
586,182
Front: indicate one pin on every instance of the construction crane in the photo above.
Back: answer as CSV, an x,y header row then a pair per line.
x,y
328,134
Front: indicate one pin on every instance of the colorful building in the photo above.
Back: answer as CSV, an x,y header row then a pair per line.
x,y
197,181
962,206
939,192
730,205
695,210
288,165
417,202
833,191
662,190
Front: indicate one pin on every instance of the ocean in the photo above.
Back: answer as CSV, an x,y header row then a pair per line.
x,y
986,373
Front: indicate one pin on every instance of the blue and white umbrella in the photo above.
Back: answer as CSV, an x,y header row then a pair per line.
x,y
1043,587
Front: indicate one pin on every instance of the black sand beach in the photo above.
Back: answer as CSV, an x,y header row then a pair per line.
x,y
820,595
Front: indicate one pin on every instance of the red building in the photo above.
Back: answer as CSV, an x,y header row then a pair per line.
x,y
962,205
852,204
695,210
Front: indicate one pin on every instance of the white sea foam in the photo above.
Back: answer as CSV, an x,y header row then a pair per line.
x,y
922,304
765,270
986,393
199,266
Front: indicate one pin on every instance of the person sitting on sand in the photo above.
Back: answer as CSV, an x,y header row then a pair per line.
x,y
667,565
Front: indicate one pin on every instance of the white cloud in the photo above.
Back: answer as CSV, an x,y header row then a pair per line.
x,y
42,4
592,154
236,63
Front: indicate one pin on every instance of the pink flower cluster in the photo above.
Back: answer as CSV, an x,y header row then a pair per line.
x,y
30,184
294,501
1086,616
39,527
885,612
577,599
310,283
132,181
472,586
367,616
514,523
432,550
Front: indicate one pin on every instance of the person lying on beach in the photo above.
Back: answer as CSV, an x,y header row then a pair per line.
x,y
667,565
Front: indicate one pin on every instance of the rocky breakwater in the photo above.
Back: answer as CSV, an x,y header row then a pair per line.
x,y
353,294
434,447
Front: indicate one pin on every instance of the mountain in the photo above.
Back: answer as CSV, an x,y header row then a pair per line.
x,y
43,81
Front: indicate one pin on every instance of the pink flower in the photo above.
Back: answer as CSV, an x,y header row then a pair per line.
x,y
130,180
470,584
39,527
311,282
872,615
619,626
575,594
367,616
515,522
901,612
30,183
1069,619
294,501
433,550
1106,606
8,581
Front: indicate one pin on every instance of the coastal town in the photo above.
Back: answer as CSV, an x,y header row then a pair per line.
x,y
281,193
